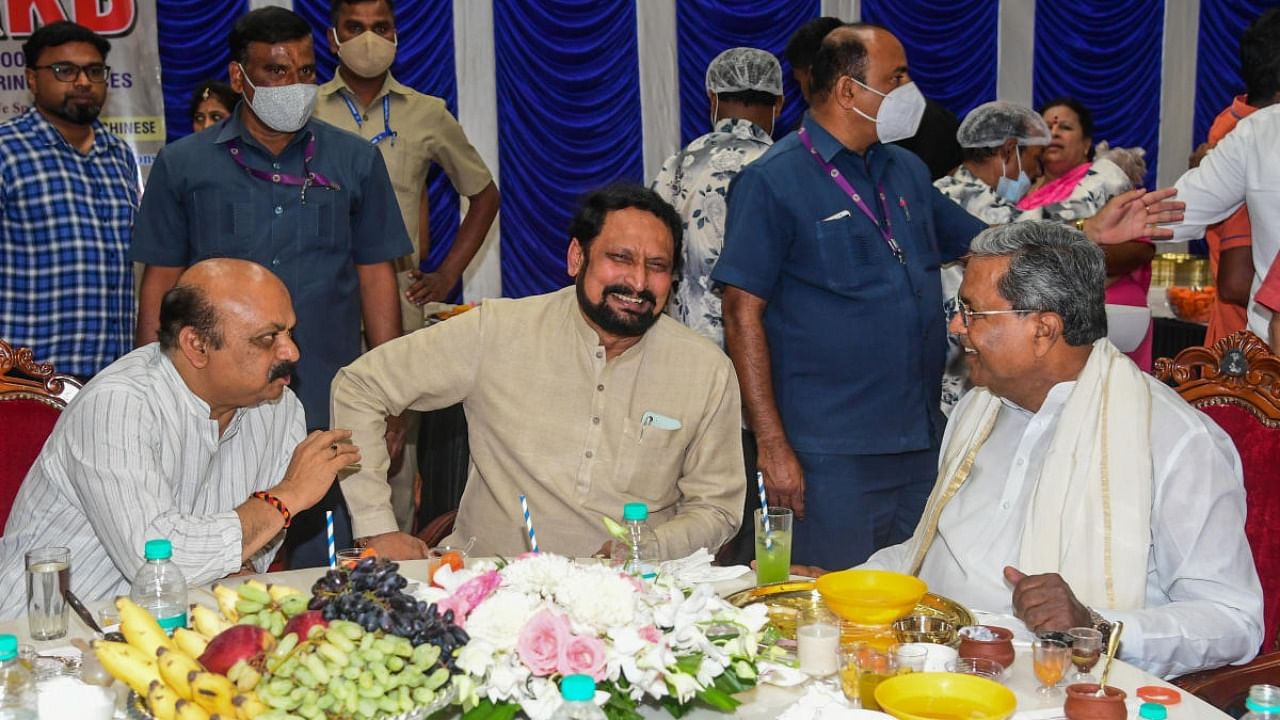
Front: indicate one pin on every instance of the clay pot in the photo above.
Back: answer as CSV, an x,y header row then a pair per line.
x,y
999,650
1083,704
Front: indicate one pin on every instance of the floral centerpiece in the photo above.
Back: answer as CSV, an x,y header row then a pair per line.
x,y
543,616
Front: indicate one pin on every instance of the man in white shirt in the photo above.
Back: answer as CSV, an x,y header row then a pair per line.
x,y
195,438
1243,167
1073,489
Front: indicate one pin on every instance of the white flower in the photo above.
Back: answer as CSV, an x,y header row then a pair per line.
x,y
544,702
476,658
499,619
686,686
597,597
538,574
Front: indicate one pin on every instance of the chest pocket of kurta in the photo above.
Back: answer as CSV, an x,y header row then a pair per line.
x,y
222,224
649,461
855,258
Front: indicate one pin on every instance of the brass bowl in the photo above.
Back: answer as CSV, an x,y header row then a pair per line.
x,y
787,599
926,629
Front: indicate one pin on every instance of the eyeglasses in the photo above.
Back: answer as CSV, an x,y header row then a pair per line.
x,y
70,72
967,315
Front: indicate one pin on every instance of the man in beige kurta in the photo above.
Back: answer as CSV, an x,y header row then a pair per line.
x,y
582,399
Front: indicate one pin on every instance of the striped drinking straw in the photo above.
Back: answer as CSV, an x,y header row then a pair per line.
x,y
328,528
764,511
528,524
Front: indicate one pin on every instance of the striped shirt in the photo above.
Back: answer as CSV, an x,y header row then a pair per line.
x,y
136,456
66,284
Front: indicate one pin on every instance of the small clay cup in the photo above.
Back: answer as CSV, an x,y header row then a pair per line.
x,y
999,650
1083,704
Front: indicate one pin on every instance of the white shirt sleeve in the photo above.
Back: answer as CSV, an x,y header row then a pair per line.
x,y
1203,595
1215,189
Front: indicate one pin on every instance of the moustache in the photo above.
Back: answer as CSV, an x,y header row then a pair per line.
x,y
645,295
281,370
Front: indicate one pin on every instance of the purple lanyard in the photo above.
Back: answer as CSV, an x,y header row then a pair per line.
x,y
387,132
310,179
886,230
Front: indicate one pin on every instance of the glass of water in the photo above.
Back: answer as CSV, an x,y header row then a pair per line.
x,y
48,577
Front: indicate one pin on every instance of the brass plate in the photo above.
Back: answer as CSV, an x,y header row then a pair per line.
x,y
786,599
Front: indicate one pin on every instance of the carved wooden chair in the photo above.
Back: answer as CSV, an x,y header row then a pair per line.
x,y
1237,383
1226,688
32,397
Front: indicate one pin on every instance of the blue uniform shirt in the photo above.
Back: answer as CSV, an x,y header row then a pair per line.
x,y
200,204
856,339
66,285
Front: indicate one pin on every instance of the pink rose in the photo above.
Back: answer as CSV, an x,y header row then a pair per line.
x,y
469,595
583,655
541,642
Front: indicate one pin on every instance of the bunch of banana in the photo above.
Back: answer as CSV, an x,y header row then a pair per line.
x,y
256,603
162,671
206,622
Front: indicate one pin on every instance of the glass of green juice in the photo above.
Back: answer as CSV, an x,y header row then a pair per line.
x,y
773,545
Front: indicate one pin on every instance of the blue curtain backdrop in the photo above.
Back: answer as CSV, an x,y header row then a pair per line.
x,y
952,60
705,28
192,35
1218,57
424,62
1105,53
568,121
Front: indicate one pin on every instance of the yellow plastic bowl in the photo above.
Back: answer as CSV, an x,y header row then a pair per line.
x,y
871,597
945,696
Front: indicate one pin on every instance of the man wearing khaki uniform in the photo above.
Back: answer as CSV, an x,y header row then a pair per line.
x,y
412,130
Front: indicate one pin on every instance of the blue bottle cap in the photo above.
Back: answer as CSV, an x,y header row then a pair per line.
x,y
578,688
9,648
635,512
158,549
1153,711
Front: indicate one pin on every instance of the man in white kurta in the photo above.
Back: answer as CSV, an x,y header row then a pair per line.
x,y
1095,493
173,440
1245,166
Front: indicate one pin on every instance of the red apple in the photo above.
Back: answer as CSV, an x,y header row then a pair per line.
x,y
302,623
238,642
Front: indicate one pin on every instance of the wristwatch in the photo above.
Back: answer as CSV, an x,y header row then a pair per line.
x,y
1100,624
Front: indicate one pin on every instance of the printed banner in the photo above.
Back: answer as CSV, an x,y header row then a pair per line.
x,y
135,102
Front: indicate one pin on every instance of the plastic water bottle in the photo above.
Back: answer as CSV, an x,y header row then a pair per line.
x,y
639,555
1263,703
160,588
577,693
18,687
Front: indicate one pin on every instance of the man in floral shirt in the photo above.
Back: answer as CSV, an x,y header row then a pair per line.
x,y
744,86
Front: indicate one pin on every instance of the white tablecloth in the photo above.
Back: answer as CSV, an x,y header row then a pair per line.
x,y
763,703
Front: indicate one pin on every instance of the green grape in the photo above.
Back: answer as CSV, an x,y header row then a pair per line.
x,y
340,641
395,663
380,674
424,696
304,676
367,708
317,669
437,678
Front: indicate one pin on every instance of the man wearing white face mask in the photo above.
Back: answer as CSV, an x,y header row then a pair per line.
x,y
412,131
306,200
832,304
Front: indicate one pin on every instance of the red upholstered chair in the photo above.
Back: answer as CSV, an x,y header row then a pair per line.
x,y
1237,383
31,398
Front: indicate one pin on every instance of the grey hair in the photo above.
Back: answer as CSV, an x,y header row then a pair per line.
x,y
1052,268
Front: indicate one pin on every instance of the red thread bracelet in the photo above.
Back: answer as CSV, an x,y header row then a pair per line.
x,y
276,503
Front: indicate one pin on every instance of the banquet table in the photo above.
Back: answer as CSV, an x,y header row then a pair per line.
x,y
765,702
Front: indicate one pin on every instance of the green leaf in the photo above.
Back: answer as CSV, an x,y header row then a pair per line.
x,y
718,699
689,664
674,707
620,706
486,710
614,528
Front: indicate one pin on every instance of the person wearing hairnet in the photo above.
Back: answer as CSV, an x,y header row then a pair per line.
x,y
744,87
1001,144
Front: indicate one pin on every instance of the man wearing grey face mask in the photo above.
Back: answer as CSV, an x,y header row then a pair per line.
x,y
304,199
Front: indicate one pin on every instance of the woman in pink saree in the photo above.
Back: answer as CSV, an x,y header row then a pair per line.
x,y
1075,186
